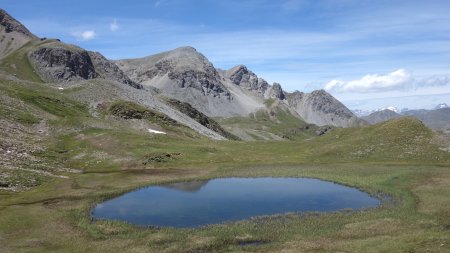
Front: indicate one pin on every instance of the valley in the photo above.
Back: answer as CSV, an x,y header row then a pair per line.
x,y
75,131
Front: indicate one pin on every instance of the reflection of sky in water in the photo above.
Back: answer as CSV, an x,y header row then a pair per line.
x,y
199,203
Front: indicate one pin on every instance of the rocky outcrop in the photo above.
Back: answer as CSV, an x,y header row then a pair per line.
x,y
321,108
13,34
200,118
56,64
381,116
10,24
245,78
182,68
110,71
275,91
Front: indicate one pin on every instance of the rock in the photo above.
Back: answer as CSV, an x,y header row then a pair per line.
x,y
56,64
321,108
245,78
275,91
110,71
13,35
10,25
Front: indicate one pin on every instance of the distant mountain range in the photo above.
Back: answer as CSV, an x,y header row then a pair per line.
x,y
438,119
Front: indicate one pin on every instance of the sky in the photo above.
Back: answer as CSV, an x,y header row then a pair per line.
x,y
369,54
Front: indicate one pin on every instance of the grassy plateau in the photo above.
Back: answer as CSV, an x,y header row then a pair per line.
x,y
81,160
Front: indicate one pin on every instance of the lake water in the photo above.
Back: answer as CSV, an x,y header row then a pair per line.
x,y
197,203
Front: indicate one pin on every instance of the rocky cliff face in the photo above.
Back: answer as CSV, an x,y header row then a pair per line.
x,y
58,62
320,108
186,75
55,64
183,68
13,34
246,79
275,92
106,69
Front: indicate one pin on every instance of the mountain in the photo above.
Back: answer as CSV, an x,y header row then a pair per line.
x,y
13,34
436,119
441,106
182,74
187,75
321,108
381,116
98,81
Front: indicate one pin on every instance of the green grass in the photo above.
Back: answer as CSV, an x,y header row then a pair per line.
x,y
396,158
18,63
277,120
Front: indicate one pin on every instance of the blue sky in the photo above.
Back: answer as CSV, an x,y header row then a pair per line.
x,y
361,51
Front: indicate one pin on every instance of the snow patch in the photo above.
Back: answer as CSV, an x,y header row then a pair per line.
x,y
152,131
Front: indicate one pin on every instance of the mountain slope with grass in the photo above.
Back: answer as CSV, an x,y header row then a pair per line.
x,y
187,75
13,34
438,119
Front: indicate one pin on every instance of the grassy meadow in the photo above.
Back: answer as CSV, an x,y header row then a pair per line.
x,y
89,159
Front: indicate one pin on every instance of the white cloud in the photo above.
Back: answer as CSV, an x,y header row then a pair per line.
x,y
397,80
85,35
114,26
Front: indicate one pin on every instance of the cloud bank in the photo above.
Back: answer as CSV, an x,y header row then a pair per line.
x,y
398,80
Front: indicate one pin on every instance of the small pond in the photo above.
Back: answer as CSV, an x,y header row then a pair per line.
x,y
197,203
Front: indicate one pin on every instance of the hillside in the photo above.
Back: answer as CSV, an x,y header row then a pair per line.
x,y
381,116
187,75
13,34
438,119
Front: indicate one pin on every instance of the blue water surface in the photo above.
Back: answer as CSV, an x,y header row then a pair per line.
x,y
197,203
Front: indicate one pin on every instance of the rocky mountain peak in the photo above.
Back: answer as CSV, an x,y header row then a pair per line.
x,y
13,35
10,24
241,76
321,108
275,91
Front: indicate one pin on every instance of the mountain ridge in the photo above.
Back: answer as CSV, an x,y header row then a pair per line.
x,y
234,92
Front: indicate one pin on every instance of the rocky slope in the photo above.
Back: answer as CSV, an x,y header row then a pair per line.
x,y
381,116
183,74
58,62
321,108
13,34
246,79
186,75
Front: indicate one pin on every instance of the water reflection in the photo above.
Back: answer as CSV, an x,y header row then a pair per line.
x,y
198,203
